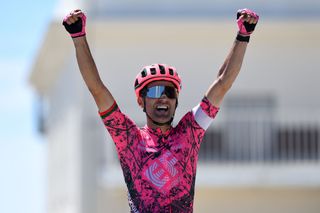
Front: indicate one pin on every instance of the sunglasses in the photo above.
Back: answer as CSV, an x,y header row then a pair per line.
x,y
158,91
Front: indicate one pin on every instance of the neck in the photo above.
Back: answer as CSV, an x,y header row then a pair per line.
x,y
163,128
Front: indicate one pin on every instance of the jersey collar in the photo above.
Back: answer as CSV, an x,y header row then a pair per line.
x,y
157,131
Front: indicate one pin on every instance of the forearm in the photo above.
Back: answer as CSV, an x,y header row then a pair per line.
x,y
232,65
90,74
227,73
87,65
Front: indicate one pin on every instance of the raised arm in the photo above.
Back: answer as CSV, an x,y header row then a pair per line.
x,y
75,24
230,69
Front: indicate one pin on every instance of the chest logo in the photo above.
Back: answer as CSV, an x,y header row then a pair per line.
x,y
162,172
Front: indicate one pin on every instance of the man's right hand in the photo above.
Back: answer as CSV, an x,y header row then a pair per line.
x,y
75,23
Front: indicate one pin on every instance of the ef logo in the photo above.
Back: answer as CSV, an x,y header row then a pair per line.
x,y
162,173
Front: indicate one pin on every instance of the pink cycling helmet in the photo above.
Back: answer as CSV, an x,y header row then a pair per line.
x,y
156,72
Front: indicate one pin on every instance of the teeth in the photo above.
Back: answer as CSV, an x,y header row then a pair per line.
x,y
162,107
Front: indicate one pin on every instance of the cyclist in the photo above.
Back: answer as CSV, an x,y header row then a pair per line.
x,y
159,161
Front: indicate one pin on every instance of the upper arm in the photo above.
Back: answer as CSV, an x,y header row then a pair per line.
x,y
216,92
227,73
103,98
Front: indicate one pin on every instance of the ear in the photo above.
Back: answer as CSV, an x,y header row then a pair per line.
x,y
140,102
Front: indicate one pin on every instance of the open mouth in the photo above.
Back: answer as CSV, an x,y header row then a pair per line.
x,y
162,108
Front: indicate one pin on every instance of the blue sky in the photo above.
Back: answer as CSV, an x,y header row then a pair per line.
x,y
22,149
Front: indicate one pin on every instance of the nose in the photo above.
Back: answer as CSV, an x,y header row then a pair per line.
x,y
163,96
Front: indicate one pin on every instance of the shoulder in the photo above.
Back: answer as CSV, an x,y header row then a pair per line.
x,y
113,117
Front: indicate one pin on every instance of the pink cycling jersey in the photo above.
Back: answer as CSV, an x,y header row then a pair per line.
x,y
160,168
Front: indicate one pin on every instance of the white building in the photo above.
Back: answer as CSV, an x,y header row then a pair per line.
x,y
262,152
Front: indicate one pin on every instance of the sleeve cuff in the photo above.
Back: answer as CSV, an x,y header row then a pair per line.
x,y
208,108
107,112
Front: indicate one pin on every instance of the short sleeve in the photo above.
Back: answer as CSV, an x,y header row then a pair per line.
x,y
120,127
204,113
208,108
109,111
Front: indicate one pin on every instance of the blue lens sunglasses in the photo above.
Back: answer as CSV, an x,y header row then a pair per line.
x,y
158,91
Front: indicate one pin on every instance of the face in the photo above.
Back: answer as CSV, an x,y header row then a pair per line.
x,y
160,109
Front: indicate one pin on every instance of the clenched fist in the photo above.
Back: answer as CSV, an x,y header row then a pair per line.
x,y
247,21
75,23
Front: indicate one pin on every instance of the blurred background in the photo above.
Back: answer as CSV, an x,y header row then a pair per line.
x,y
261,154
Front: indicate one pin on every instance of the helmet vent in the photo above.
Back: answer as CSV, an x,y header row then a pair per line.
x,y
171,71
153,71
162,69
144,73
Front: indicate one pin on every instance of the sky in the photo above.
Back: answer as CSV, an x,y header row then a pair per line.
x,y
22,149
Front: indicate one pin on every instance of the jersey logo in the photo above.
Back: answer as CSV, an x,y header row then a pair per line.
x,y
162,173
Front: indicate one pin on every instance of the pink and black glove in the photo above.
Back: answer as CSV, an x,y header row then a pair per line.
x,y
75,23
247,21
